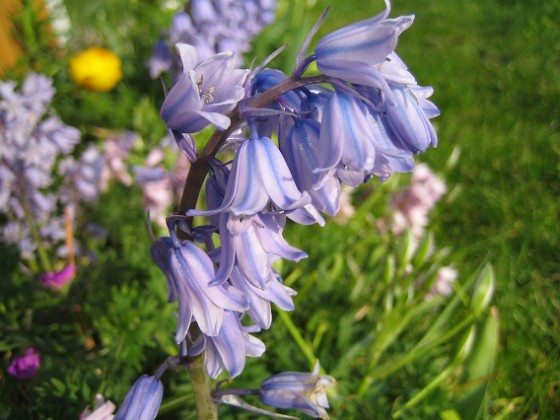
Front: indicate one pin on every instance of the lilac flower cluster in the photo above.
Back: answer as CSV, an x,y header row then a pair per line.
x,y
32,138
213,26
288,145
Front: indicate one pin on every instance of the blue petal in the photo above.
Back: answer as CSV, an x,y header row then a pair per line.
x,y
142,401
275,176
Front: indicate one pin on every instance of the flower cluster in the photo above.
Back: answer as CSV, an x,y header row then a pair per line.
x,y
32,138
289,145
213,26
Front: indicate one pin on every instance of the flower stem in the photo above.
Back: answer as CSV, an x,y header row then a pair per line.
x,y
43,257
206,408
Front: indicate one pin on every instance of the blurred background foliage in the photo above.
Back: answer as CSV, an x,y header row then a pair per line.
x,y
493,65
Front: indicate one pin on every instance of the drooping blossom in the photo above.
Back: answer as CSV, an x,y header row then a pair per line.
x,y
189,271
252,244
259,179
143,400
229,349
26,366
300,391
204,91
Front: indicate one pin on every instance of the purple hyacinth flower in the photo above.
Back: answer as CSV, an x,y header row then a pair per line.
x,y
408,120
346,133
189,271
259,179
204,91
250,243
26,366
143,400
58,279
300,391
259,300
369,41
229,349
312,166
307,160
161,60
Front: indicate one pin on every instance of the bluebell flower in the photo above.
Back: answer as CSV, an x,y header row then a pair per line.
x,y
299,391
409,117
259,300
143,400
363,140
189,270
204,91
250,244
161,60
356,52
347,135
260,179
312,165
369,41
229,349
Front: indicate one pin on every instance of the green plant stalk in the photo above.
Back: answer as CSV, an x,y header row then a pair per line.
x,y
387,336
298,338
417,351
46,266
206,408
425,391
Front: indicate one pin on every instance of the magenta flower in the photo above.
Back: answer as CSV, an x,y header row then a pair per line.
x,y
26,366
58,279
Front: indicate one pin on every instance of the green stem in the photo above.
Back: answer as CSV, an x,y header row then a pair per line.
x,y
298,338
424,391
206,408
43,257
417,351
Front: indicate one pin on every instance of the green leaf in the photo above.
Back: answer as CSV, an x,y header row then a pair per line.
x,y
483,290
479,368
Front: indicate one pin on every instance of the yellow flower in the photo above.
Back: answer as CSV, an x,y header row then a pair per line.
x,y
96,69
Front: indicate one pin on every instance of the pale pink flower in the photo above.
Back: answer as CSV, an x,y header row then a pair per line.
x,y
412,205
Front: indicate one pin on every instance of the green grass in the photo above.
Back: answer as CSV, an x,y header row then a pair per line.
x,y
494,66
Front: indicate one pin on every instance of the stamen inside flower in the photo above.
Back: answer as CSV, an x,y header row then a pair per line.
x,y
206,96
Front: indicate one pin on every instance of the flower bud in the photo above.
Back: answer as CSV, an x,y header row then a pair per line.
x,y
143,400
